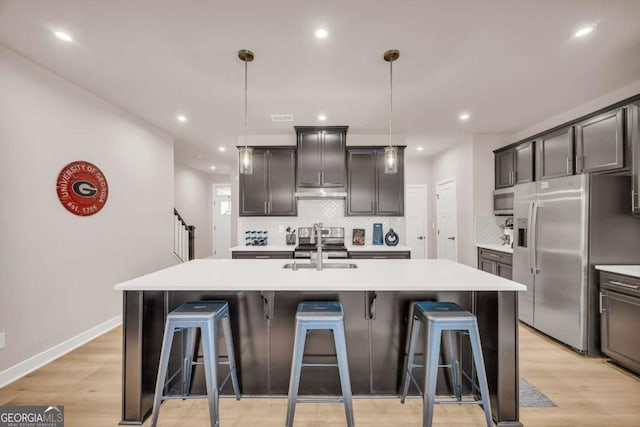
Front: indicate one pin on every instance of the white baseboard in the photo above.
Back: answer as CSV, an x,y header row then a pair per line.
x,y
31,364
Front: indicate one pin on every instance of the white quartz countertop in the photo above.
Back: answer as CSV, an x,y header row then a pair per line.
x,y
378,248
371,275
274,248
494,247
626,270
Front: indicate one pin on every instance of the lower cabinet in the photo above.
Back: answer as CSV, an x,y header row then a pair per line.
x,y
380,255
495,262
619,312
262,255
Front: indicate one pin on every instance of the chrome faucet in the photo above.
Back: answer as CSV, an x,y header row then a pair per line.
x,y
316,237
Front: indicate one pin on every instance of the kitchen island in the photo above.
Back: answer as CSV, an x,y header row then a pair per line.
x,y
377,297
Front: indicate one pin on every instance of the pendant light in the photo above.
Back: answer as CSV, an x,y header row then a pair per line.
x,y
391,152
246,153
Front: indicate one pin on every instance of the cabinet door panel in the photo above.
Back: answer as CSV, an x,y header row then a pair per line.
x,y
282,182
524,163
390,192
555,154
600,142
361,185
488,266
253,188
504,271
504,168
333,158
309,159
619,340
633,114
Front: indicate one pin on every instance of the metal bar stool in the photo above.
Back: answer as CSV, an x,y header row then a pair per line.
x,y
445,317
204,315
328,315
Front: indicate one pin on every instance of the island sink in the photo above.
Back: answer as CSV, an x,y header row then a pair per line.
x,y
296,266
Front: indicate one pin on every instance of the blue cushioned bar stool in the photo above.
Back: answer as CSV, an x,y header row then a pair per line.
x,y
445,318
189,316
315,315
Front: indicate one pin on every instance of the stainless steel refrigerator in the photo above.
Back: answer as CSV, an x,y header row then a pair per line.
x,y
563,227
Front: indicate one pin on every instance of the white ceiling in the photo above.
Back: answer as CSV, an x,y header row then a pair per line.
x,y
509,63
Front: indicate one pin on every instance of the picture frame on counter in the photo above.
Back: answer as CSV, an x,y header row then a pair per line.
x,y
358,237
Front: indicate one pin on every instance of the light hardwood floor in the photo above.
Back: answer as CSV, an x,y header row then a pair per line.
x,y
588,392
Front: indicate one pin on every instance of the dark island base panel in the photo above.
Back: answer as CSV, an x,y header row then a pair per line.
x,y
263,324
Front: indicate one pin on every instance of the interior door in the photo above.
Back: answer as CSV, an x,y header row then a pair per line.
x,y
221,221
560,259
447,220
416,219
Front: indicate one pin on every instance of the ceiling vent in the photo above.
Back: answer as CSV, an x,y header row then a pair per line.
x,y
282,117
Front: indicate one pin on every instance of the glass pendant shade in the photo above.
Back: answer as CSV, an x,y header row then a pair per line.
x,y
390,159
246,160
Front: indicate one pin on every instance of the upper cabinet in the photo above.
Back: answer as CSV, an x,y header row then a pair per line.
x,y
514,165
505,168
633,114
554,155
371,192
270,189
600,142
321,156
524,155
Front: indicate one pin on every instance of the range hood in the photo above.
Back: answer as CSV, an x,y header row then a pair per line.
x,y
321,193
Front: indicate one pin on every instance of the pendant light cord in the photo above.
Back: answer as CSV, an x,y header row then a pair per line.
x,y
390,99
245,104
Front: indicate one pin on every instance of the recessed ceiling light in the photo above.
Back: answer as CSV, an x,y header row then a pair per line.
x,y
464,116
583,31
321,33
419,148
181,118
63,36
222,149
212,168
322,117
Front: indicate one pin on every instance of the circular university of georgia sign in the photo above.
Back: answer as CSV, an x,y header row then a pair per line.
x,y
82,188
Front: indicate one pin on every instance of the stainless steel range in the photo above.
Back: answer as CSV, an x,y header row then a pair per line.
x,y
332,242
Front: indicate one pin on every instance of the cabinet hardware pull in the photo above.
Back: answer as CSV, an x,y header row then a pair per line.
x,y
568,165
379,257
602,309
262,256
634,200
370,306
624,285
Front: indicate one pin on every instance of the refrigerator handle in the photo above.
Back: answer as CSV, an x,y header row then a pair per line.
x,y
534,235
529,233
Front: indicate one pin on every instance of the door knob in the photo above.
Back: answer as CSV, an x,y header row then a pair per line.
x,y
420,237
451,238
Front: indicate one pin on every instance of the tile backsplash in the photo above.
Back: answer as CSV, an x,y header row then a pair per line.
x,y
488,229
329,212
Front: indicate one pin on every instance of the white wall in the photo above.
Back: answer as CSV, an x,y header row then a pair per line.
x,y
457,162
588,107
194,202
57,270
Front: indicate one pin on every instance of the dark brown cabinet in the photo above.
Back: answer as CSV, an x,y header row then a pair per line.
x,y
321,156
505,168
600,142
619,309
524,155
382,254
270,189
262,254
633,114
371,192
495,262
554,155
514,165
